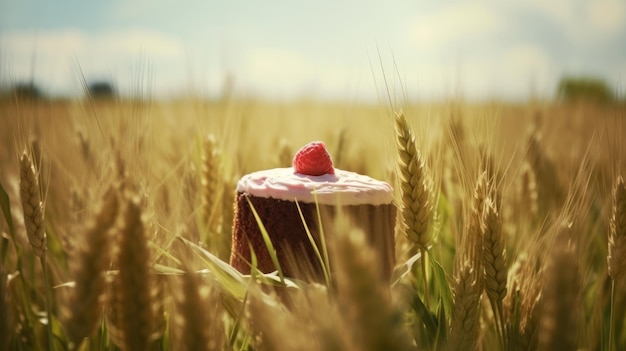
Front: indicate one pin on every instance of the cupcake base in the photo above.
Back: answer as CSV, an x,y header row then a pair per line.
x,y
288,234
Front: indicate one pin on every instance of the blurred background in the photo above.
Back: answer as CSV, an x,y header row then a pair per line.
x,y
355,51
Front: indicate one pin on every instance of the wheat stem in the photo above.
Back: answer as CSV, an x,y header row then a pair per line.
x,y
32,207
612,315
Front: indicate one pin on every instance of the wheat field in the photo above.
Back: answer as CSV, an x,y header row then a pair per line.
x,y
117,218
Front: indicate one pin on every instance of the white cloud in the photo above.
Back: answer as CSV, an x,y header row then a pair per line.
x,y
280,72
607,16
454,24
54,55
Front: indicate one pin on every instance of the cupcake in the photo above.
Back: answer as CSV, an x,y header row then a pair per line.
x,y
276,195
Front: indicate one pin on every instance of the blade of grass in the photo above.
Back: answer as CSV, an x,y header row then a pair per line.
x,y
442,286
323,262
267,240
229,279
401,271
322,237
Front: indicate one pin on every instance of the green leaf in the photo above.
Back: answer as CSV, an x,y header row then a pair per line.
x,y
322,261
267,240
441,283
401,271
229,279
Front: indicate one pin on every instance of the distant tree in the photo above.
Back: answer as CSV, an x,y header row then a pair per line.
x,y
101,90
26,90
584,88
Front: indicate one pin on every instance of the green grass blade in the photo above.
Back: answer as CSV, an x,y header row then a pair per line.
x,y
323,262
401,271
267,240
442,286
229,279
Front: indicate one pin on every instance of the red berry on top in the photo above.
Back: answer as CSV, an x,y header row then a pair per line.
x,y
313,159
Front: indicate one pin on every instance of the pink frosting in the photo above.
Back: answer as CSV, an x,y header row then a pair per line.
x,y
343,187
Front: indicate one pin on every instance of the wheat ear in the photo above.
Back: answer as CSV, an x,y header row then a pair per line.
x,y
86,299
198,315
522,304
561,286
209,180
415,191
494,265
133,297
528,190
616,258
464,328
32,206
365,305
413,184
617,232
468,280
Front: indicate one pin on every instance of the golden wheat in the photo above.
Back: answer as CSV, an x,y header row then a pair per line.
x,y
465,326
561,288
198,315
86,299
364,302
416,209
132,290
468,276
522,304
210,171
527,191
6,334
493,253
494,259
32,206
617,232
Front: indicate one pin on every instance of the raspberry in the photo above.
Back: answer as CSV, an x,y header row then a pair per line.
x,y
313,159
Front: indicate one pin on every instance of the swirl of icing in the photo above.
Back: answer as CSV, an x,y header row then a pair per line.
x,y
343,187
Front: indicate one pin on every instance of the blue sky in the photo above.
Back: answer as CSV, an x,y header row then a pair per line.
x,y
342,50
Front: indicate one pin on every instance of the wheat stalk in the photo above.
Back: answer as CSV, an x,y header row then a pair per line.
x,y
559,320
133,309
528,190
473,240
469,282
198,312
365,304
32,206
464,329
86,299
494,258
6,332
416,210
522,304
209,180
616,258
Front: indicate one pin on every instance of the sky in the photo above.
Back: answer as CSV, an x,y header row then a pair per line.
x,y
336,50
